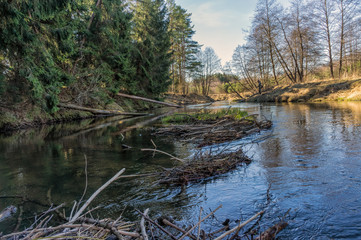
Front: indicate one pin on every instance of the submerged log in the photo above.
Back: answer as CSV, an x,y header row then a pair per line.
x,y
99,111
148,100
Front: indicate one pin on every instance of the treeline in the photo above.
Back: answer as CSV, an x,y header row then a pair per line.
x,y
309,39
88,50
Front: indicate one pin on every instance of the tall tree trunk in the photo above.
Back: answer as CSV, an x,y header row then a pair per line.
x,y
328,34
342,37
270,48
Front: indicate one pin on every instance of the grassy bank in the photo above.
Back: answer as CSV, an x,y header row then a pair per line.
x,y
332,90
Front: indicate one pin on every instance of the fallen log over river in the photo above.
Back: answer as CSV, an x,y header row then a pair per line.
x,y
148,100
99,111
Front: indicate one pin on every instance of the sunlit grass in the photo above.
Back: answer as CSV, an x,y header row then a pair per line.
x,y
232,113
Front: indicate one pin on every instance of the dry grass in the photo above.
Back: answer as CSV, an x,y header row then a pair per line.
x,y
331,90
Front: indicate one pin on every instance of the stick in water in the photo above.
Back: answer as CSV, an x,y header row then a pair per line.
x,y
190,230
165,153
241,225
142,225
86,204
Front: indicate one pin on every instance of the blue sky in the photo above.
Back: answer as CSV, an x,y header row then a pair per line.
x,y
219,23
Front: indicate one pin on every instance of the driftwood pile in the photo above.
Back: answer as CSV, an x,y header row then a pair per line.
x,y
77,226
145,228
84,228
203,166
209,132
205,133
80,225
165,228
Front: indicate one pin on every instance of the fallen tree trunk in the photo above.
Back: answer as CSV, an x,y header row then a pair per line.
x,y
99,111
148,100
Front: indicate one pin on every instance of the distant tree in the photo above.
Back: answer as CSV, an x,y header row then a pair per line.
x,y
211,64
347,16
294,43
264,30
228,77
298,52
324,15
242,68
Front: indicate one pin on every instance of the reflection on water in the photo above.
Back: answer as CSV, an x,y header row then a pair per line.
x,y
310,162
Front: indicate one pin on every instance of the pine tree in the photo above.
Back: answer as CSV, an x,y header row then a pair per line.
x,y
184,48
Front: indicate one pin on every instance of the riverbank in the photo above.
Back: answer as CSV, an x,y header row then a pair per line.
x,y
26,115
333,90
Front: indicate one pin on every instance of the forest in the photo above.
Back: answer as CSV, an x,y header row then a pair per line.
x,y
91,50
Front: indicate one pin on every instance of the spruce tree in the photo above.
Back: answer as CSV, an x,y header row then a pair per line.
x,y
28,68
83,47
102,61
152,56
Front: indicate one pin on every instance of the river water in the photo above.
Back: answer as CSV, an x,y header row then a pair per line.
x,y
309,164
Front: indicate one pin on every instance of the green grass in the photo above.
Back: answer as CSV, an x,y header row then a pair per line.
x,y
177,119
233,113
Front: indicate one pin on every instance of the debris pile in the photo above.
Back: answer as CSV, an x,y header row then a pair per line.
x,y
203,166
211,131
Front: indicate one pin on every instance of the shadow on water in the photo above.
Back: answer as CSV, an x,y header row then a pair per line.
x,y
309,161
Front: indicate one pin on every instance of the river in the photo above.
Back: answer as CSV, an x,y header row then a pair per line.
x,y
309,162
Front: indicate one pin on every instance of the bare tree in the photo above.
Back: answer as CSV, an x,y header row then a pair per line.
x,y
243,69
211,64
265,18
323,14
347,12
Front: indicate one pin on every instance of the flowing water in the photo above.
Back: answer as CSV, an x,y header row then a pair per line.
x,y
309,162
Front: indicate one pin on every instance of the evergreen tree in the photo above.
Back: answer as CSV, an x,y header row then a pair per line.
x,y
152,56
48,45
184,49
28,68
103,57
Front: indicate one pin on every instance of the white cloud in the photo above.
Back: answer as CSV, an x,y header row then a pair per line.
x,y
207,15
